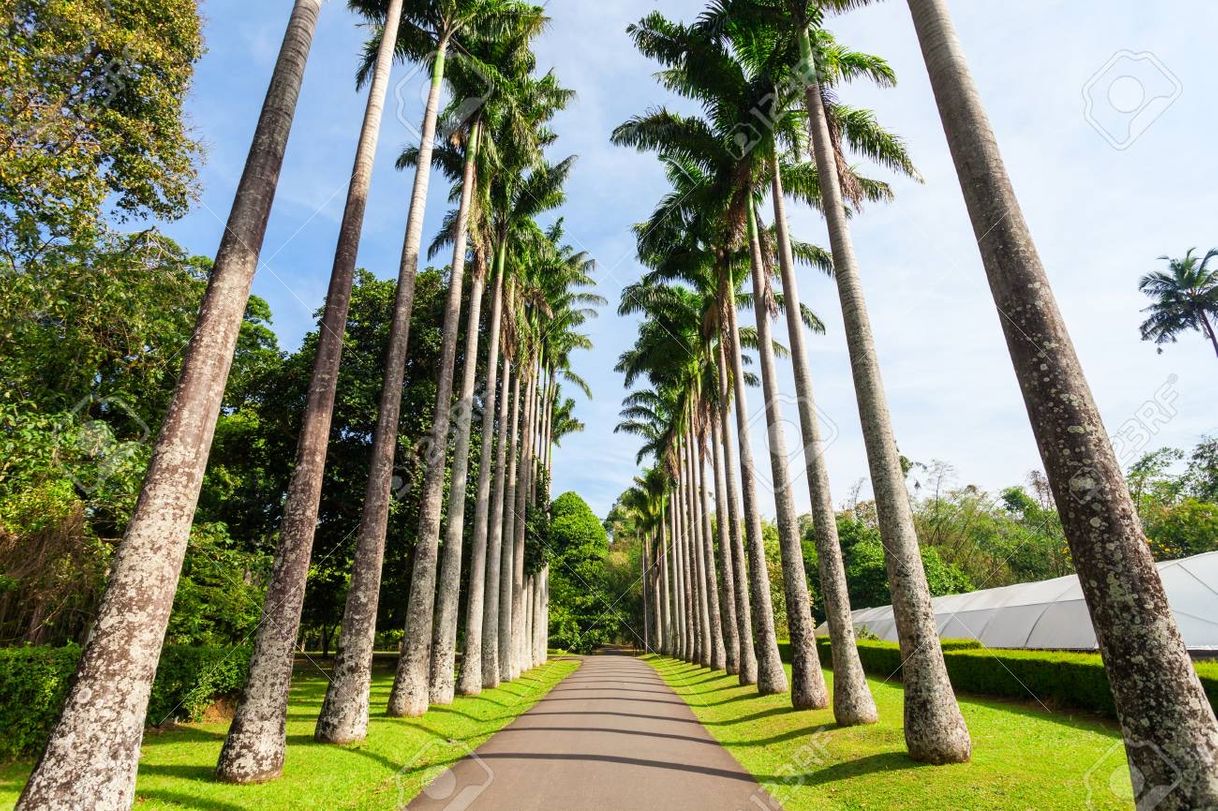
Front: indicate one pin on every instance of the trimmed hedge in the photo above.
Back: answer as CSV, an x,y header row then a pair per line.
x,y
34,682
1058,678
878,658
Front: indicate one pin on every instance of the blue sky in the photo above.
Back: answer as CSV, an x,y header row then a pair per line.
x,y
1107,187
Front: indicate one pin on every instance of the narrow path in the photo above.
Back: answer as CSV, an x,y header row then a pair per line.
x,y
612,735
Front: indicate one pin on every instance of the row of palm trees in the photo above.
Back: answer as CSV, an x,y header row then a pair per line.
x,y
767,76
490,141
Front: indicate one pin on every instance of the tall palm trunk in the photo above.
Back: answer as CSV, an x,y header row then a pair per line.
x,y
668,646
693,616
688,539
529,407
744,612
699,536
479,568
551,396
448,588
731,631
344,713
852,700
543,641
91,757
678,581
934,729
492,611
651,585
1169,727
714,619
411,686
254,748
530,590
807,681
507,565
770,675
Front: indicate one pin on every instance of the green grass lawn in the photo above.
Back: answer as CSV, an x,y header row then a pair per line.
x,y
1023,757
398,758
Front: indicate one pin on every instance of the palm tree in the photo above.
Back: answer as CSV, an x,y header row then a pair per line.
x,y
1185,298
808,689
699,67
412,684
718,653
1169,727
427,34
507,526
516,112
254,748
725,528
678,241
934,728
92,753
852,699
493,520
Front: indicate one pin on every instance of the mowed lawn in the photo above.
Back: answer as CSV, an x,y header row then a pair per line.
x,y
398,758
1024,757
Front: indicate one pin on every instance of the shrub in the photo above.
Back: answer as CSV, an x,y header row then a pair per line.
x,y
190,679
34,682
1059,678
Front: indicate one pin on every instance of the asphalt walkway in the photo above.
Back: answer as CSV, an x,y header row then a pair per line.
x,y
612,735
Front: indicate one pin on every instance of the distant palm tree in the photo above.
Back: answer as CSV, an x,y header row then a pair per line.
x,y
1186,298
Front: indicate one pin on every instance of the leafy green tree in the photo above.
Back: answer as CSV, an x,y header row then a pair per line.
x,y
863,551
92,116
582,617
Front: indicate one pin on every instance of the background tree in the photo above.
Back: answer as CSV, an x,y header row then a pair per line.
x,y
1185,298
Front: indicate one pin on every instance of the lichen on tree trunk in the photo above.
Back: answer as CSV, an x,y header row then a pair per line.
x,y
1171,736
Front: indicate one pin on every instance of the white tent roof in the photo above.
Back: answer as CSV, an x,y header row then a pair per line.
x,y
1051,614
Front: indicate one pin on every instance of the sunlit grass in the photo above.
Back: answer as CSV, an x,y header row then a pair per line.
x,y
391,766
1024,757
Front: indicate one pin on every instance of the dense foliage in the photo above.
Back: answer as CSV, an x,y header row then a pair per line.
x,y
92,116
583,606
89,349
34,680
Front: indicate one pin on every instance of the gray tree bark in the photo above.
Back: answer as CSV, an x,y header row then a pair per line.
x,y
807,681
91,757
770,676
693,569
1171,738
710,589
412,684
470,683
693,625
492,610
667,645
344,712
255,745
448,588
507,565
678,569
731,630
744,612
934,728
852,699
523,488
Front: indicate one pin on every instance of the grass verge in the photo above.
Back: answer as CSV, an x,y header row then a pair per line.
x,y
1023,757
398,758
